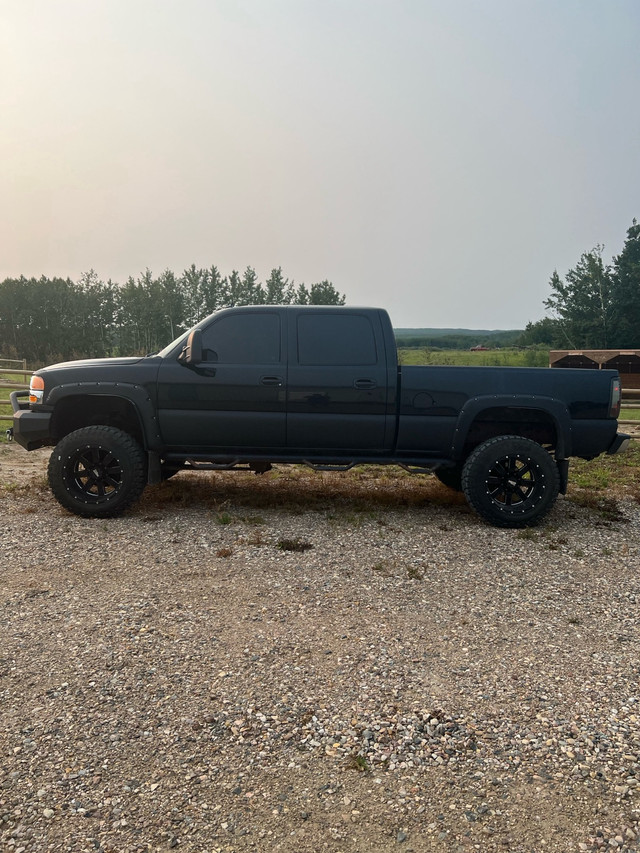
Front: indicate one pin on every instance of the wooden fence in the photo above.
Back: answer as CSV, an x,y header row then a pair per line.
x,y
630,399
6,364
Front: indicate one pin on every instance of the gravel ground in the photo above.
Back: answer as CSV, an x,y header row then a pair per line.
x,y
315,663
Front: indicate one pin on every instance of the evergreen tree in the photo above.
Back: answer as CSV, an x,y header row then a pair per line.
x,y
278,290
252,290
324,293
626,285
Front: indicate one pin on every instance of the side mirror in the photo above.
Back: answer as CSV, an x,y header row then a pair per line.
x,y
193,349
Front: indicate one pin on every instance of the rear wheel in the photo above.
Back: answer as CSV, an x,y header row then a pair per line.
x,y
511,481
97,471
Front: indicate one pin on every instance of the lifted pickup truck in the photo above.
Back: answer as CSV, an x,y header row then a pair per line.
x,y
256,385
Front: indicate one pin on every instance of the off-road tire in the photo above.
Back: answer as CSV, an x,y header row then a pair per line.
x,y
511,481
97,471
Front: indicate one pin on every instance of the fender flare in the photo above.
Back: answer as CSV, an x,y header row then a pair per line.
x,y
135,394
552,407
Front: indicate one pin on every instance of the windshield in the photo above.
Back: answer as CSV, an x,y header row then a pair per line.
x,y
170,347
181,340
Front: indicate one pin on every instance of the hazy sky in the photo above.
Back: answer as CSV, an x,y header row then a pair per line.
x,y
436,157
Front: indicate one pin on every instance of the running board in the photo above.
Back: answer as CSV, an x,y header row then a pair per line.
x,y
260,464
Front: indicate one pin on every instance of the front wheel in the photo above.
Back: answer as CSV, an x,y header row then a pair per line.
x,y
97,471
511,481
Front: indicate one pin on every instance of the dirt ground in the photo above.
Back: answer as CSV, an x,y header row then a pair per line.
x,y
314,662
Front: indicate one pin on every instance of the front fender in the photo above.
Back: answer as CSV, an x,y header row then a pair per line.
x,y
135,394
555,409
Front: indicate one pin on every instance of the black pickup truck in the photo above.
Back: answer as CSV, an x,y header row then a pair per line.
x,y
256,385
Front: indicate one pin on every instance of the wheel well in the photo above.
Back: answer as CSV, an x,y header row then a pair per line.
x,y
535,424
84,410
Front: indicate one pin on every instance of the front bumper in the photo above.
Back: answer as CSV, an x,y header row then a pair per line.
x,y
30,429
619,443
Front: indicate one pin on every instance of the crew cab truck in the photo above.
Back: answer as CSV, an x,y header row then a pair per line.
x,y
256,385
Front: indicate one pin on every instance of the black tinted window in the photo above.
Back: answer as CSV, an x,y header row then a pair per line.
x,y
336,339
243,339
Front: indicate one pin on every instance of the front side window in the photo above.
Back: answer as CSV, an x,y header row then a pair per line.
x,y
243,339
336,339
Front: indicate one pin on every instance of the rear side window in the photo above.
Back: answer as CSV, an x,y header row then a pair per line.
x,y
243,339
336,339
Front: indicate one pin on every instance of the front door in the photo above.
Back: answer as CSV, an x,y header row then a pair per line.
x,y
235,398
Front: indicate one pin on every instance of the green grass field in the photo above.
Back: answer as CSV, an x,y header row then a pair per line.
x,y
491,358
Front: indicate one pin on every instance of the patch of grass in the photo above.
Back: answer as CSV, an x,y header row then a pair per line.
x,y
574,620
296,545
35,487
593,476
629,414
622,469
528,534
252,520
346,519
415,573
555,544
358,762
606,507
224,552
384,568
224,518
257,537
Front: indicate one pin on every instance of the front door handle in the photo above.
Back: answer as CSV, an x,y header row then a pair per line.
x,y
365,384
271,380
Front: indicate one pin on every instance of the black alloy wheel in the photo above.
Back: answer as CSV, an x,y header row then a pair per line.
x,y
511,481
97,471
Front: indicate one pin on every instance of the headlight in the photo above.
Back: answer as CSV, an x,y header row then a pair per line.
x,y
36,389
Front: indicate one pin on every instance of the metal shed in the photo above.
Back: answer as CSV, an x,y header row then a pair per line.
x,y
626,362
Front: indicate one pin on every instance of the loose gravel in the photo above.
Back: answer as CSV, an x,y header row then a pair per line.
x,y
315,662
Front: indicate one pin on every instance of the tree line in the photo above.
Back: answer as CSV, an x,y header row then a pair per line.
x,y
595,305
53,319
464,340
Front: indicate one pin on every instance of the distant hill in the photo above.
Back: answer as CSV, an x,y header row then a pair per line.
x,y
456,338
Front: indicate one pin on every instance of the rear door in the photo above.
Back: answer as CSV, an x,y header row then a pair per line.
x,y
338,391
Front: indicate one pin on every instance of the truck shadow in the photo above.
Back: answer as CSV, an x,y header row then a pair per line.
x,y
299,489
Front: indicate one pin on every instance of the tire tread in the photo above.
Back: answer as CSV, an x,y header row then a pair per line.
x,y
97,436
475,489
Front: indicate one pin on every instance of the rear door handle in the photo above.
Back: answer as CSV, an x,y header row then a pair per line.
x,y
365,384
271,380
